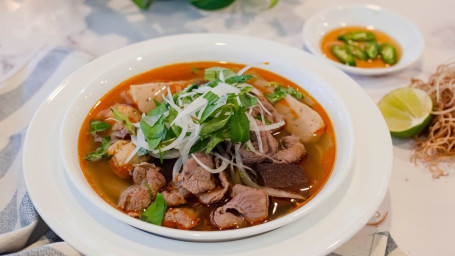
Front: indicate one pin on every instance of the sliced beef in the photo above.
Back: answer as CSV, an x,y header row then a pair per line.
x,y
173,196
121,150
181,218
269,147
224,220
216,194
281,176
293,150
149,173
194,178
119,132
274,118
135,198
252,203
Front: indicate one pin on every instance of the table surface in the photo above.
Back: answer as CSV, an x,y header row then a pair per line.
x,y
420,208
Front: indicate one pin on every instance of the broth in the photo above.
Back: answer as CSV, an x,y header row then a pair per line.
x,y
318,163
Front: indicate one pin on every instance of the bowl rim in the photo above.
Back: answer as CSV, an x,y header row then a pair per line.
x,y
199,235
355,70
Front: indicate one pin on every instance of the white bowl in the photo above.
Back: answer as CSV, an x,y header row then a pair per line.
x,y
104,73
371,16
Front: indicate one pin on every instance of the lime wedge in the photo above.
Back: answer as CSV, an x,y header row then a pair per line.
x,y
407,111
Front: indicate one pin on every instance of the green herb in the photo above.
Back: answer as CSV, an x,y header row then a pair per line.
x,y
98,126
212,74
218,137
120,116
155,213
153,133
100,152
281,92
248,101
239,126
238,79
211,107
199,145
215,123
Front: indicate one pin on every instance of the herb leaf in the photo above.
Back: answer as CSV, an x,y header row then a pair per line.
x,y
199,146
143,4
153,133
100,152
238,79
98,126
239,126
212,74
281,92
120,116
155,212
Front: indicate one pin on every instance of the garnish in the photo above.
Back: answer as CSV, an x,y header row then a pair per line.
x,y
281,92
98,126
100,152
121,117
155,212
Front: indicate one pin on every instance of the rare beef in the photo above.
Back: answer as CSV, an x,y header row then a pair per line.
x,y
173,196
281,176
135,198
181,218
275,117
194,178
223,219
148,173
293,150
269,147
249,202
216,194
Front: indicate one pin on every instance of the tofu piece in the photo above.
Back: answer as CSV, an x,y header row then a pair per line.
x,y
301,120
144,94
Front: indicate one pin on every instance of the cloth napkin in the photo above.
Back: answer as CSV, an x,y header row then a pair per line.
x,y
22,231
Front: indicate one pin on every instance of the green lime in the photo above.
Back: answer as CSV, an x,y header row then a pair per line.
x,y
407,111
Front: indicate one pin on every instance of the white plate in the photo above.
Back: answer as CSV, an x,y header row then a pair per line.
x,y
370,16
92,232
101,75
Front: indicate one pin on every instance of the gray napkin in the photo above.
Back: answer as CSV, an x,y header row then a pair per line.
x,y
22,231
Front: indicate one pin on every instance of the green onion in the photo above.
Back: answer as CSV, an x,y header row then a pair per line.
x,y
100,152
98,126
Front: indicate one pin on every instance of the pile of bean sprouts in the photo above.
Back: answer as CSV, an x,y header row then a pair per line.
x,y
437,144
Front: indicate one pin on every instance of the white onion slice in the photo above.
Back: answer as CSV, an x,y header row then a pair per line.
x,y
175,171
271,126
256,130
217,170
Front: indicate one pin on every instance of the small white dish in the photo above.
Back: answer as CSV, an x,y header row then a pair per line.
x,y
106,72
373,17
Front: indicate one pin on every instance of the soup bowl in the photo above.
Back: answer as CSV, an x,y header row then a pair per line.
x,y
106,72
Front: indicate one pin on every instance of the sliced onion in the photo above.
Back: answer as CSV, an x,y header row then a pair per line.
x,y
193,139
217,170
243,175
176,141
131,155
256,130
271,126
262,106
175,171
